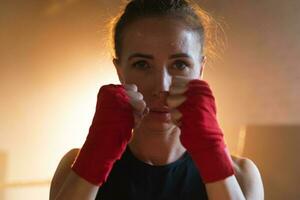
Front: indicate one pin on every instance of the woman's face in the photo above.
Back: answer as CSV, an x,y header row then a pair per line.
x,y
153,51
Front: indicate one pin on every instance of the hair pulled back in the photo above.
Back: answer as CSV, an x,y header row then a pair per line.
x,y
194,17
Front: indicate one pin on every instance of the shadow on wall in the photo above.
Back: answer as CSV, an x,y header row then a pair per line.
x,y
275,150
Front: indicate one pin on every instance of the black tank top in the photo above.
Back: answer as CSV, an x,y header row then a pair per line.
x,y
132,179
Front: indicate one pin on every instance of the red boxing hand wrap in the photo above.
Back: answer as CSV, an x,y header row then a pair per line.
x,y
108,136
201,134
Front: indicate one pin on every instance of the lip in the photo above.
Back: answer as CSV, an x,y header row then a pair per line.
x,y
161,115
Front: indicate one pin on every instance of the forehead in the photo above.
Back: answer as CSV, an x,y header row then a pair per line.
x,y
159,35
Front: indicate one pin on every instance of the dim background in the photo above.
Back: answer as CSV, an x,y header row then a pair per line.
x,y
54,57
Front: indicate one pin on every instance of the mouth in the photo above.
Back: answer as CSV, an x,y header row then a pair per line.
x,y
162,114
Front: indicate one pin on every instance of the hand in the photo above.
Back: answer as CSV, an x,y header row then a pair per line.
x,y
177,97
108,136
136,100
200,134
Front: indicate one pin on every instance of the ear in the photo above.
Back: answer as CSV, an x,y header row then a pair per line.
x,y
119,70
203,63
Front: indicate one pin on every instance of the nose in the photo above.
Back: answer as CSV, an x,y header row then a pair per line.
x,y
162,83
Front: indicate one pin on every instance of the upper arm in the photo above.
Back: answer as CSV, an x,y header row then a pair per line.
x,y
62,170
249,179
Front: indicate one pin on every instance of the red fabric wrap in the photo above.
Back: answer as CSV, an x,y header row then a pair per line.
x,y
201,134
108,135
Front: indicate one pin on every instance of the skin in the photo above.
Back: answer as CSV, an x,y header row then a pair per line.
x,y
156,81
148,82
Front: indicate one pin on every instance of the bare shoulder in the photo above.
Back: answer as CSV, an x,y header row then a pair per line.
x,y
62,170
248,177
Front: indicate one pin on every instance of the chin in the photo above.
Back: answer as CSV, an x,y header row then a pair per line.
x,y
158,126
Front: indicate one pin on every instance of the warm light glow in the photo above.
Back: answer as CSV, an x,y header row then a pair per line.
x,y
241,141
54,59
56,6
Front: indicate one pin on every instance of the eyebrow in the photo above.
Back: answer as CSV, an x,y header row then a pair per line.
x,y
178,55
148,56
140,55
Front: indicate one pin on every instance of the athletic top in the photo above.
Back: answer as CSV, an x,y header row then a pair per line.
x,y
132,179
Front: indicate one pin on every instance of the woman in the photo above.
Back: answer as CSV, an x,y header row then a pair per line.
x,y
156,135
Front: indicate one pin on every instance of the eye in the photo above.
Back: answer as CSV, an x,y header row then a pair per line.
x,y
180,65
142,64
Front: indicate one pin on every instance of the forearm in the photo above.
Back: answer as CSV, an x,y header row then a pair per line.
x,y
75,187
227,189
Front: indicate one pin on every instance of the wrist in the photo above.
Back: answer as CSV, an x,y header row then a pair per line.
x,y
214,164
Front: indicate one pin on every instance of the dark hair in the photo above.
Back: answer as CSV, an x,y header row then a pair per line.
x,y
194,17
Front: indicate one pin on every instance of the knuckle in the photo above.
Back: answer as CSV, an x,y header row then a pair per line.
x,y
177,89
140,96
143,104
175,100
134,87
130,94
139,105
130,87
136,95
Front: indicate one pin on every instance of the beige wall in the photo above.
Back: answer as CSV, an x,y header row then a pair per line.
x,y
53,60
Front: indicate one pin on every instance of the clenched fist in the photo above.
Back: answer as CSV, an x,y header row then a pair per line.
x,y
194,111
136,100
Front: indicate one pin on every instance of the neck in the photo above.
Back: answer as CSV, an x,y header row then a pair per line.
x,y
157,148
